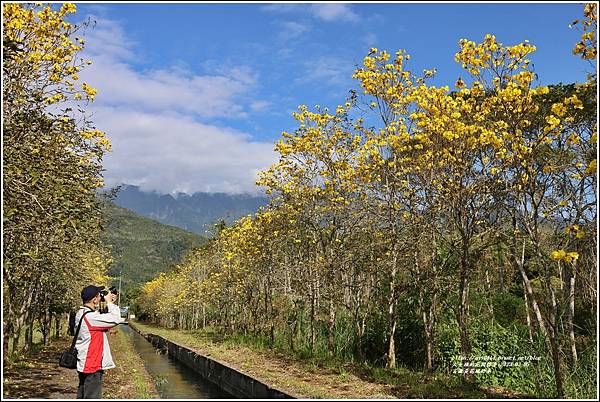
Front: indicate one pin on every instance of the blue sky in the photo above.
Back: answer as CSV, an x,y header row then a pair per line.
x,y
217,82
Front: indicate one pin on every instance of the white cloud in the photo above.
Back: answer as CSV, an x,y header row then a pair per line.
x,y
333,12
323,11
171,152
293,29
156,120
214,95
282,8
203,95
370,39
105,38
328,69
260,106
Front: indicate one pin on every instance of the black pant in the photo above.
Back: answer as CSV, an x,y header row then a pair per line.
x,y
90,385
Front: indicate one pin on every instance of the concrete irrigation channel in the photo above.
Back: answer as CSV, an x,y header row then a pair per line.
x,y
231,382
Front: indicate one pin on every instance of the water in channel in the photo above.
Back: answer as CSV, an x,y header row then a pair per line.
x,y
173,379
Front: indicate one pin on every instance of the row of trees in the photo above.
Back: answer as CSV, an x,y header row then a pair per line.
x,y
52,166
411,206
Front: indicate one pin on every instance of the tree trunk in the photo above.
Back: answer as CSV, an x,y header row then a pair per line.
x,y
556,348
463,293
7,333
534,304
427,309
520,263
28,334
359,324
15,344
330,325
46,321
529,323
427,327
488,291
500,269
312,324
17,332
391,353
312,313
57,321
293,328
359,339
194,317
571,316
429,341
18,316
550,332
7,323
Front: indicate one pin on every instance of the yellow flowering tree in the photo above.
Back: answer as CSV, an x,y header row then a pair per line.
x,y
315,177
412,195
541,164
52,162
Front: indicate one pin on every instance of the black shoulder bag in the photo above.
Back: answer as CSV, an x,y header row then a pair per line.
x,y
68,359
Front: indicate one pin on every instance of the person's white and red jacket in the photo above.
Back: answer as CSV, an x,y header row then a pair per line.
x,y
93,352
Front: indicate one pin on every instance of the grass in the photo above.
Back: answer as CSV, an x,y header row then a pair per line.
x,y
425,385
130,378
37,339
319,377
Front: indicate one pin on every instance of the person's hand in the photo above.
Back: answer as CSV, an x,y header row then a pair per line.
x,y
110,298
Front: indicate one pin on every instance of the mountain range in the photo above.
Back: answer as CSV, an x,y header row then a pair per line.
x,y
196,213
141,247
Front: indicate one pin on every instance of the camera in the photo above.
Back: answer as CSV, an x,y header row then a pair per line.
x,y
112,290
103,306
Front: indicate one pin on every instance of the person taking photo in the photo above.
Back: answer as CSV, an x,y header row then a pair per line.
x,y
93,350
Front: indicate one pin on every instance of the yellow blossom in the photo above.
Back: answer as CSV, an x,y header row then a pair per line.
x,y
558,255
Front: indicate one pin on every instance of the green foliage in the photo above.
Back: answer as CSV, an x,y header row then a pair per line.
x,y
141,247
582,382
492,339
410,340
508,308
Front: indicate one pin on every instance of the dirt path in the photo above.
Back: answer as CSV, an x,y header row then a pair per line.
x,y
39,375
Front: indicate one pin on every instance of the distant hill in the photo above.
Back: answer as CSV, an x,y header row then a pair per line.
x,y
195,213
141,247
